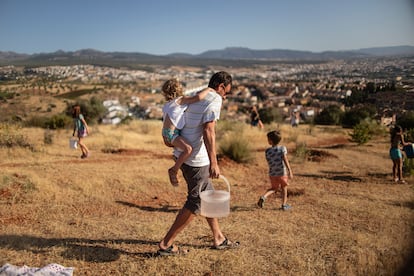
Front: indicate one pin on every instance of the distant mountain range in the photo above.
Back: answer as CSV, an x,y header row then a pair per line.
x,y
246,53
231,54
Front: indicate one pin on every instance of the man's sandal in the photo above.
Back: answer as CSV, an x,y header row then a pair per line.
x,y
171,252
226,244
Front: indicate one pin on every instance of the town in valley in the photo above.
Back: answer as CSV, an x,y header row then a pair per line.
x,y
283,86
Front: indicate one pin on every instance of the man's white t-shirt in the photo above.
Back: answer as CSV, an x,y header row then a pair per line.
x,y
196,115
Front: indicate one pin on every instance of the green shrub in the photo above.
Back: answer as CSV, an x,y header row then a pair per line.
x,y
36,121
354,116
270,115
406,120
301,151
409,136
11,136
59,121
331,115
408,166
236,147
365,130
225,127
6,95
360,134
93,110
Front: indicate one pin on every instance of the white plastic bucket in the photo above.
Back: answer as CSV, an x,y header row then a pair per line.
x,y
73,143
215,203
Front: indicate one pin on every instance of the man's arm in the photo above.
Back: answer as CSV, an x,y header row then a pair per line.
x,y
209,135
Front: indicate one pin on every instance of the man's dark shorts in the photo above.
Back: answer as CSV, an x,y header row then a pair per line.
x,y
196,176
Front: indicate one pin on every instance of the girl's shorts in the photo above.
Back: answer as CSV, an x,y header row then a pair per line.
x,y
395,153
170,134
278,181
82,133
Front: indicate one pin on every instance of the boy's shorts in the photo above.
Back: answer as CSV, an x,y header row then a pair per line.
x,y
395,153
279,181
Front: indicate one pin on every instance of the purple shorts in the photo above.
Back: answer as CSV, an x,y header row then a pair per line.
x,y
82,134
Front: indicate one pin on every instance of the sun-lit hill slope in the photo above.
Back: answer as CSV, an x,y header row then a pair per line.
x,y
104,215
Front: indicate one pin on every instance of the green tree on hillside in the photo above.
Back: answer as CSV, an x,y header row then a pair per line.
x,y
331,115
269,115
355,115
406,120
93,109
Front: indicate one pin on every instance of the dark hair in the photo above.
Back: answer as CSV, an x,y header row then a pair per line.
x,y
394,131
274,136
76,111
219,78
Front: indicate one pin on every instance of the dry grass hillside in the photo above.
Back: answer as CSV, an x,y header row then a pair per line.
x,y
105,215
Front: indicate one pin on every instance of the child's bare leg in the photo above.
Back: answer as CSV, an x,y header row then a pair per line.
x,y
262,198
399,169
269,192
186,148
83,147
394,170
284,195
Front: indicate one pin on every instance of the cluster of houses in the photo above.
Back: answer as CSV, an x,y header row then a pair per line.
x,y
291,100
237,107
117,112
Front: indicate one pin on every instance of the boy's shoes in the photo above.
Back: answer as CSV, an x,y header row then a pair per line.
x,y
261,201
286,207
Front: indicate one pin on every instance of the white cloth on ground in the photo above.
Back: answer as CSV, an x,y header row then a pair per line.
x,y
49,270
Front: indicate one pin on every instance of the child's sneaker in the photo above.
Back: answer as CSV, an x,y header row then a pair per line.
x,y
286,207
261,201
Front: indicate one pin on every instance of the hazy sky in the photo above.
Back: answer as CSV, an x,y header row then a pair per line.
x,y
194,26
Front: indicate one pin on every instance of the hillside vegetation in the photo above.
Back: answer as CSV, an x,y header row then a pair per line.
x,y
104,215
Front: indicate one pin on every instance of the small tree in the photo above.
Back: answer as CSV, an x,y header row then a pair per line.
x,y
365,130
406,120
331,115
360,134
354,116
93,110
269,115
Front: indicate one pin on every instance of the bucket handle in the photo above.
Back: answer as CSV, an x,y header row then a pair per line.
x,y
225,181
